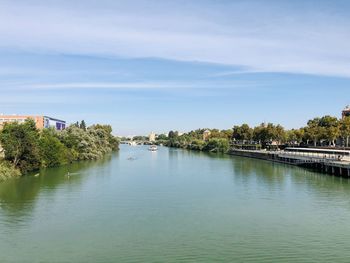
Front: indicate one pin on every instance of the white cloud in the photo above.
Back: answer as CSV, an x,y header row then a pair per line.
x,y
260,38
13,86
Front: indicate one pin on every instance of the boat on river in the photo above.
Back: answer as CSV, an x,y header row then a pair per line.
x,y
153,148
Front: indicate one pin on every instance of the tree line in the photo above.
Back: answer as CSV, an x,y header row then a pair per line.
x,y
320,131
217,141
27,149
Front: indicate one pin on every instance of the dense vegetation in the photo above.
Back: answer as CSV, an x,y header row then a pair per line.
x,y
217,141
324,131
8,171
27,148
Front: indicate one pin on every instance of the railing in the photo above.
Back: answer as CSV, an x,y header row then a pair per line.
x,y
318,156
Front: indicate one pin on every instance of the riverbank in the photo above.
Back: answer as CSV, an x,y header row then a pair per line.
x,y
7,171
27,149
330,166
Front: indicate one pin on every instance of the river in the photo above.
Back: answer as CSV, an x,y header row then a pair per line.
x,y
175,206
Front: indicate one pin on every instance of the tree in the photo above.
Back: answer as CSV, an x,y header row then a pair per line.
x,y
140,138
331,129
88,144
226,134
52,151
313,131
20,143
242,133
217,145
173,134
259,133
295,136
197,145
279,133
162,137
345,130
82,125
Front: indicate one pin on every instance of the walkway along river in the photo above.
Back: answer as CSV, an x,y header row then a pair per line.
x,y
175,205
333,162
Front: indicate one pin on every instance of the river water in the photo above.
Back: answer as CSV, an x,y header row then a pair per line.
x,y
175,206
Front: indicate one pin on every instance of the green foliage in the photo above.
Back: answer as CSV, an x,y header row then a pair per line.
x,y
7,171
218,141
27,148
52,151
327,128
20,143
197,145
242,133
162,137
217,145
345,130
173,135
295,136
268,133
82,125
140,138
319,131
89,144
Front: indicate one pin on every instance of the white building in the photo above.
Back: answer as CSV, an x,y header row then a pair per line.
x,y
152,137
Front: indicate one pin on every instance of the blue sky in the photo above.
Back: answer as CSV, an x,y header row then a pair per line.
x,y
159,65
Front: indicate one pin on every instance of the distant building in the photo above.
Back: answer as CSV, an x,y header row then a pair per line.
x,y
346,112
152,137
41,122
206,135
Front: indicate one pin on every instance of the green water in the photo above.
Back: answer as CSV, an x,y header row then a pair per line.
x,y
175,206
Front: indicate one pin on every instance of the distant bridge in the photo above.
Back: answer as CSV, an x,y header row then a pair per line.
x,y
133,143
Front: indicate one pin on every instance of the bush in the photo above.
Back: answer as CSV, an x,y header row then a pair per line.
x,y
52,151
27,148
217,145
8,171
20,144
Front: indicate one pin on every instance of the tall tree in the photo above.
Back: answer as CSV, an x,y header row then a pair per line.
x,y
52,151
242,133
173,134
313,130
331,129
20,144
82,125
345,130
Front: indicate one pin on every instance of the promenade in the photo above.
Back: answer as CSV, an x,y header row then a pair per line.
x,y
331,163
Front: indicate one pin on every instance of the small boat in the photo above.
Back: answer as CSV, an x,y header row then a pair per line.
x,y
132,143
153,148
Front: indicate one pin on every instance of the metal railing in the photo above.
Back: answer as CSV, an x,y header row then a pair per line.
x,y
322,156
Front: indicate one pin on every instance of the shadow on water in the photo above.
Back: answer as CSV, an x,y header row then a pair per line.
x,y
276,175
18,196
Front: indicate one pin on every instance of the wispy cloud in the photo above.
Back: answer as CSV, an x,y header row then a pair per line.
x,y
273,36
130,85
108,85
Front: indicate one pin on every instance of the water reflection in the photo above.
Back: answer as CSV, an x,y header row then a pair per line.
x,y
280,176
180,202
18,196
277,176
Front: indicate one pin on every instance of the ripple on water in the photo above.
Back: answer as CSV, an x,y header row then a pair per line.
x,y
175,206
